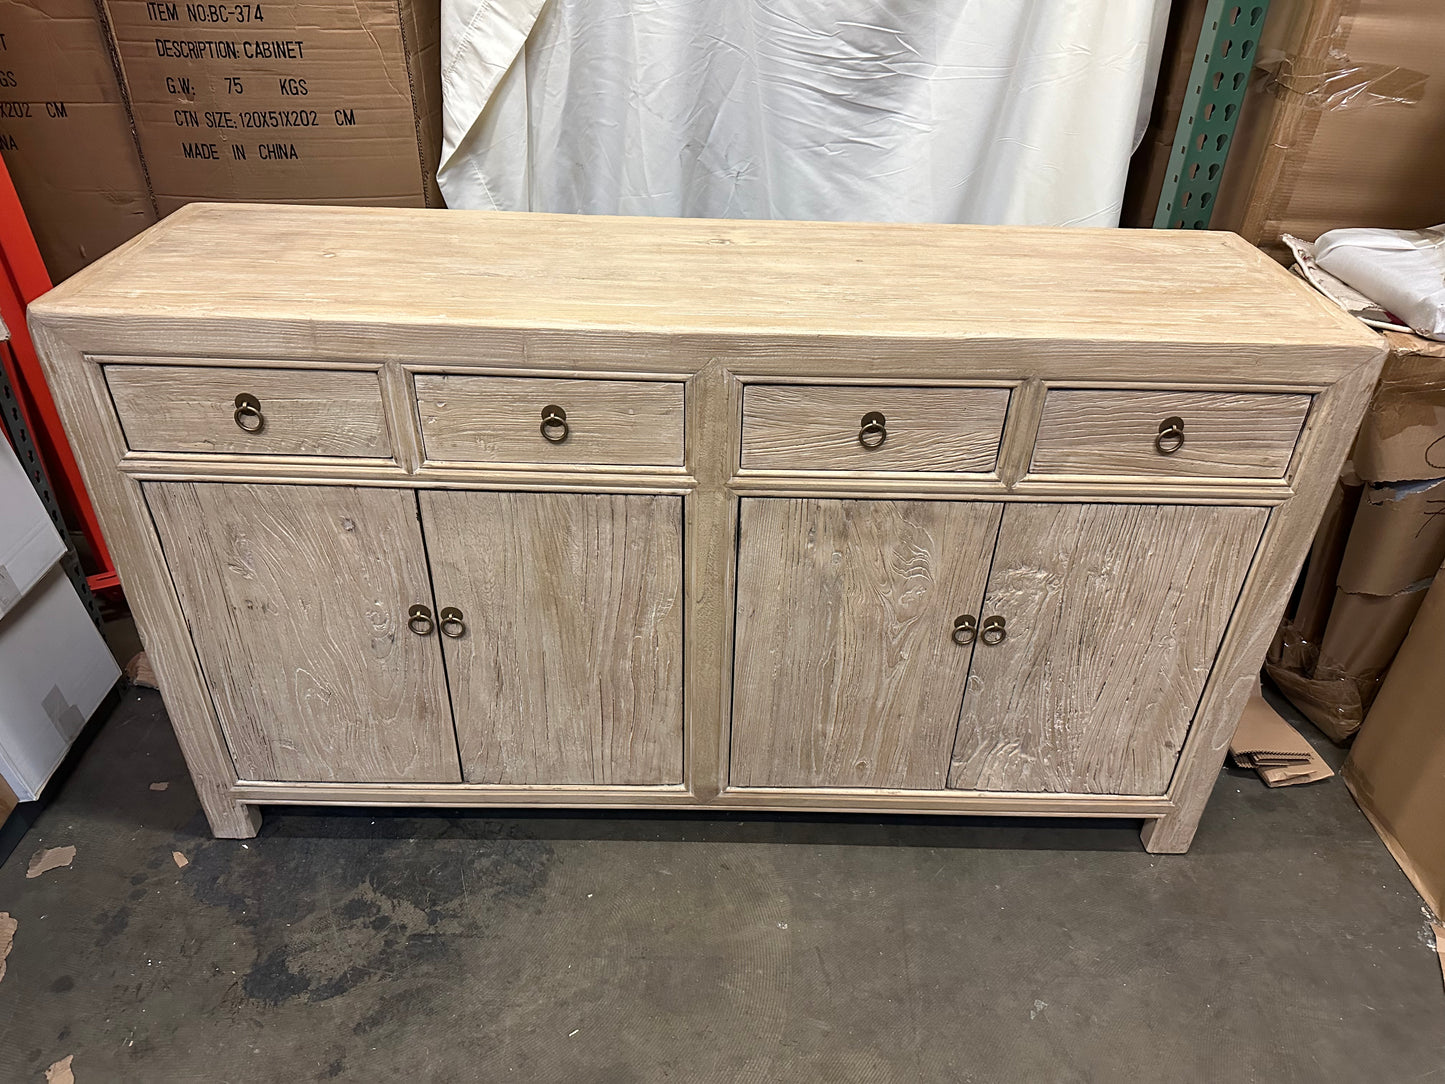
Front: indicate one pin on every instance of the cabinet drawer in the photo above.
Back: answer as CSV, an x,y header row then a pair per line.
x,y
811,427
1172,433
505,419
179,408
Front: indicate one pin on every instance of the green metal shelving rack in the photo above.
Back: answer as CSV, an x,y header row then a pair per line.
x,y
1218,79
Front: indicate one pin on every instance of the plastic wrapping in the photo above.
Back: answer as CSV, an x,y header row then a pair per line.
x,y
1342,127
1334,82
883,110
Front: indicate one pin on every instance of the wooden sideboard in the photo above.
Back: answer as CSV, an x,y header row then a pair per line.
x,y
460,509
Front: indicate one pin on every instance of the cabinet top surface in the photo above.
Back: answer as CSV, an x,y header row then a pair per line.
x,y
364,266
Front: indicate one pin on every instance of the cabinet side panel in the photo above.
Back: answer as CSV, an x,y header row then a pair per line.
x,y
297,597
569,670
1114,614
845,672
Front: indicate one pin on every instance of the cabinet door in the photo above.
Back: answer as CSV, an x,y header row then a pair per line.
x,y
846,672
1113,615
297,600
566,663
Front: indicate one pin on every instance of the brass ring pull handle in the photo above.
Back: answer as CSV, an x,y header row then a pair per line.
x,y
554,424
1171,436
873,430
248,413
419,620
993,632
965,628
452,625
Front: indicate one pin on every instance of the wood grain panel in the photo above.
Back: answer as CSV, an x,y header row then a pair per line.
x,y
845,673
497,419
297,600
831,280
175,408
1112,432
809,427
1114,614
476,293
1325,443
570,669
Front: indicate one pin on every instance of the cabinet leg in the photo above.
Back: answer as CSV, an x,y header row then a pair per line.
x,y
232,820
1170,834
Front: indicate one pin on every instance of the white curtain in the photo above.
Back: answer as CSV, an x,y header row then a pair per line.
x,y
998,111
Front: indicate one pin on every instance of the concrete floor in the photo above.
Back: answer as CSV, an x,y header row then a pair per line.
x,y
579,948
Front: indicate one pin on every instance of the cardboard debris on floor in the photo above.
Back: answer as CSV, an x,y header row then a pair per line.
x,y
140,672
60,1072
8,926
1264,741
159,786
180,860
47,859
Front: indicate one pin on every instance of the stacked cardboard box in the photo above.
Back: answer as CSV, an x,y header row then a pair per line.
x,y
65,132
1377,551
1396,768
1340,127
302,101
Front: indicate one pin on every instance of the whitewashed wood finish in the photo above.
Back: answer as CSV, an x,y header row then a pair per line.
x,y
845,672
570,668
1329,434
1114,614
708,303
812,427
172,408
1226,434
442,274
297,601
85,405
497,419
823,800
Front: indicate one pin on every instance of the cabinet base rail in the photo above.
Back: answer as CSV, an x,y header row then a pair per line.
x,y
834,800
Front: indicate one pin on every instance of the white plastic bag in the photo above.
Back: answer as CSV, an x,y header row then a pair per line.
x,y
1400,270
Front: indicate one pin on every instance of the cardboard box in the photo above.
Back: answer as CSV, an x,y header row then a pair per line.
x,y
1402,437
30,544
1396,769
1378,547
1397,539
65,133
55,670
54,666
1316,593
1334,683
305,101
1342,125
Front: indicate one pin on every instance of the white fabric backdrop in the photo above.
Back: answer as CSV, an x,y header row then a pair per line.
x,y
998,111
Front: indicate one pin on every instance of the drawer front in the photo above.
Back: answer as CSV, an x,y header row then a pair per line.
x,y
811,427
505,419
1168,433
178,408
